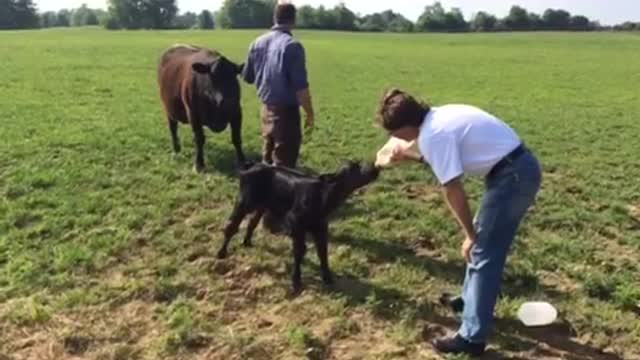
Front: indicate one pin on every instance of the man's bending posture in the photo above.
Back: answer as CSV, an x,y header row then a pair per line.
x,y
457,140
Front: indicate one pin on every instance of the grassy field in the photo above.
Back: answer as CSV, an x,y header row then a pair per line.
x,y
107,242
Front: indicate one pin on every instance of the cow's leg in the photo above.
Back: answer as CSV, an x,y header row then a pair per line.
x,y
173,129
236,135
198,139
321,239
240,211
252,227
299,250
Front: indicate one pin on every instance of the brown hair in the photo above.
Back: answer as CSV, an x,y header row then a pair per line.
x,y
398,109
285,14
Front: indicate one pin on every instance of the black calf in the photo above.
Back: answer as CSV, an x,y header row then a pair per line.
x,y
295,204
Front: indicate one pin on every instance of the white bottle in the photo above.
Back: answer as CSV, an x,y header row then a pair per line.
x,y
537,313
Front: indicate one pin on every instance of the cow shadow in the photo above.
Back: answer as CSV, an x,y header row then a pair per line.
x,y
222,160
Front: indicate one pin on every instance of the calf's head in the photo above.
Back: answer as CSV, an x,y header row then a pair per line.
x,y
225,87
349,179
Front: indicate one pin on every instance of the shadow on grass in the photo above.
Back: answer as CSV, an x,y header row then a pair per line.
x,y
391,304
222,159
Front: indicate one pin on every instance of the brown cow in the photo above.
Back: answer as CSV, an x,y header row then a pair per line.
x,y
200,87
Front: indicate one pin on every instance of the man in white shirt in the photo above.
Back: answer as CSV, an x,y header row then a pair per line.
x,y
457,140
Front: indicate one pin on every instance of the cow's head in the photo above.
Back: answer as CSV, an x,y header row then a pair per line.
x,y
223,74
350,178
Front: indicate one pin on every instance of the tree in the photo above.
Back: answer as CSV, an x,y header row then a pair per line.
x,y
400,24
243,14
373,23
325,19
306,17
64,18
6,15
435,18
627,26
83,16
535,21
579,23
18,14
48,19
101,15
345,19
147,14
432,19
92,19
483,21
556,19
205,20
187,20
454,21
518,19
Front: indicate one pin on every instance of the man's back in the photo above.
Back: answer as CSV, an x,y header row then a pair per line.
x,y
276,64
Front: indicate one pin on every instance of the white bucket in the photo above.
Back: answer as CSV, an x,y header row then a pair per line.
x,y
537,313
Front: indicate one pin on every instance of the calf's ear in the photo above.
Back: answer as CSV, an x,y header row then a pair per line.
x,y
201,68
240,68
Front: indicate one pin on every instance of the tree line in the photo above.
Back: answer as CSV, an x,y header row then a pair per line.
x,y
150,14
241,14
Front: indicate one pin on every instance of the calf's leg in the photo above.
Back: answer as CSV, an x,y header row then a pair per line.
x,y
240,211
321,239
252,227
299,250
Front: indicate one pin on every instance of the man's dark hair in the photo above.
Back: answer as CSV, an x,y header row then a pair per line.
x,y
285,14
398,109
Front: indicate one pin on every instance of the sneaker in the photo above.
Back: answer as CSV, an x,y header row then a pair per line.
x,y
457,345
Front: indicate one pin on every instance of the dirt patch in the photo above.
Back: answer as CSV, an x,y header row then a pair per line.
x,y
76,345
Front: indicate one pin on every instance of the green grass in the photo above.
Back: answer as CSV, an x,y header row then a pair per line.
x,y
107,242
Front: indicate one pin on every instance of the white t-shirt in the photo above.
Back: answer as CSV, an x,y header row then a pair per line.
x,y
462,139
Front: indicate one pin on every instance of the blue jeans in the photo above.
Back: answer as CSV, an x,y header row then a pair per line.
x,y
509,193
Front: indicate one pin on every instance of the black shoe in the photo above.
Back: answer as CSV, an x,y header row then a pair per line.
x,y
456,304
458,345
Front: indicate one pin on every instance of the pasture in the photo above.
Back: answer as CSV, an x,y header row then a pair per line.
x,y
108,241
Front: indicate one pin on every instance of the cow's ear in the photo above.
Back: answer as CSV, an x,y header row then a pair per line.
x,y
218,68
201,68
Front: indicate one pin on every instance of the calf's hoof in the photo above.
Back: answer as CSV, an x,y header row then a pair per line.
x,y
247,244
222,254
327,278
296,290
198,168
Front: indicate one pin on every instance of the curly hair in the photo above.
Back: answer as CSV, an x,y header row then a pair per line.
x,y
398,109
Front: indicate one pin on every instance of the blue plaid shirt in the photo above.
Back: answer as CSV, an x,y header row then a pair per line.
x,y
276,65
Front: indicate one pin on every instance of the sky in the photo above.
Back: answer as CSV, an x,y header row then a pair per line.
x,y
608,12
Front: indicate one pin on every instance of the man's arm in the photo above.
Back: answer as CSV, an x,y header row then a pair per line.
x,y
456,198
248,72
304,98
297,71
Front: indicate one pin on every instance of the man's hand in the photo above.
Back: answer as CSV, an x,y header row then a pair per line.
x,y
467,246
309,122
401,153
398,154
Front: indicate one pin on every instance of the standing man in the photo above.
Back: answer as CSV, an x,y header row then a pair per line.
x,y
276,65
457,140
